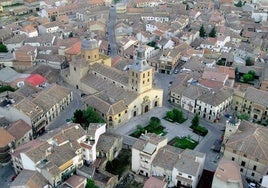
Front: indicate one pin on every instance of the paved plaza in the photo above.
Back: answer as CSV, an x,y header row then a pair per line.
x,y
179,130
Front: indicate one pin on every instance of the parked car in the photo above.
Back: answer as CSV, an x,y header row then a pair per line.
x,y
228,116
252,185
13,177
176,71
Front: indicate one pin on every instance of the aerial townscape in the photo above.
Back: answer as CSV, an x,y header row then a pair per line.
x,y
134,93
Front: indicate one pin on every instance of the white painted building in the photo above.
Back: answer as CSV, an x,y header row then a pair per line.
x,y
143,152
212,105
189,168
259,16
89,141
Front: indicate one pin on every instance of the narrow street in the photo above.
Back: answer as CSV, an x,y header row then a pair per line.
x,y
111,31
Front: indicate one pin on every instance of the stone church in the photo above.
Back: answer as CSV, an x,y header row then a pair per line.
x,y
115,95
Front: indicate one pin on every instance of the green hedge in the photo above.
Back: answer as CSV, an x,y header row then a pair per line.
x,y
200,130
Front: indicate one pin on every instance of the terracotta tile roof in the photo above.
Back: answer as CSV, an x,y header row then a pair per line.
x,y
76,181
227,70
154,182
257,96
26,147
215,98
107,141
228,171
251,139
111,73
220,77
29,108
28,178
215,85
167,157
18,129
35,80
5,138
74,49
110,92
29,28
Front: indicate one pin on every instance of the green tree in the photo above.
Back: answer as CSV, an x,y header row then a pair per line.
x,y
178,115
213,33
91,184
6,88
170,115
91,116
248,61
53,18
85,117
252,73
202,32
3,48
78,117
220,62
239,4
247,77
195,121
155,122
71,35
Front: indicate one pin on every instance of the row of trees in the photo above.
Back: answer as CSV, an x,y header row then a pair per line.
x,y
203,33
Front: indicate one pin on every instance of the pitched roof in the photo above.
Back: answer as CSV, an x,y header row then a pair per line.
x,y
228,171
76,181
217,97
28,178
106,141
220,77
154,182
35,79
18,129
5,138
251,139
109,92
151,138
111,73
167,157
257,96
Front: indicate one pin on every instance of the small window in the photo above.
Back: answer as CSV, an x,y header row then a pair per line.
x,y
88,57
243,163
252,174
254,167
241,169
233,158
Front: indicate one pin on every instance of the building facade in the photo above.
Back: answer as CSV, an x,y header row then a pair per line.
x,y
247,147
252,102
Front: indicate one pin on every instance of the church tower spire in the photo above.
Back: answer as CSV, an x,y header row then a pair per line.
x,y
140,73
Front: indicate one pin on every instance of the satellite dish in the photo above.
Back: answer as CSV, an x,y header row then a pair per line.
x,y
20,84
